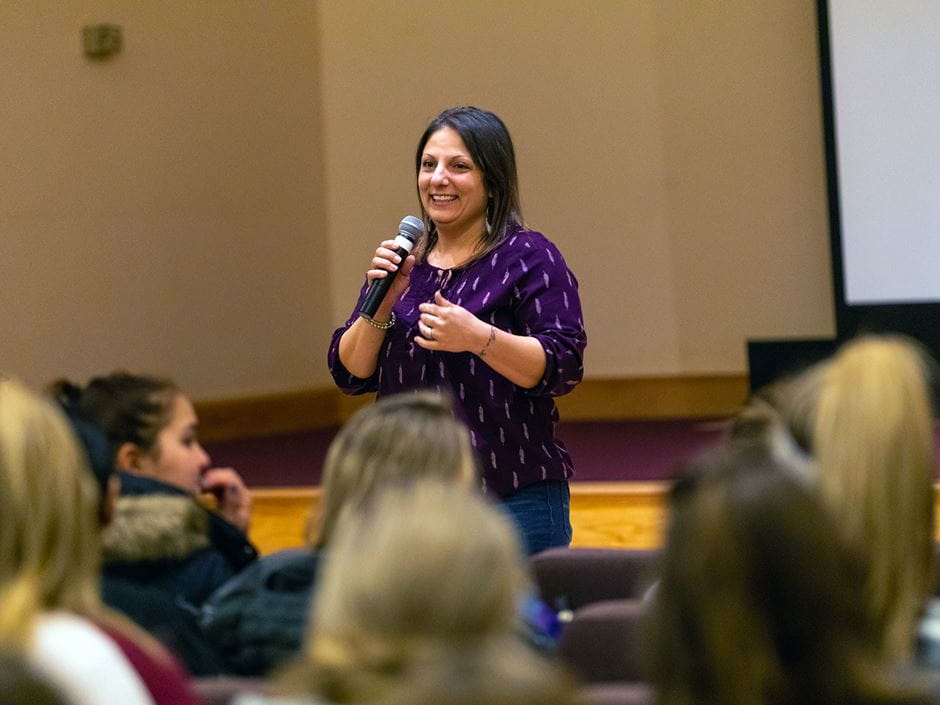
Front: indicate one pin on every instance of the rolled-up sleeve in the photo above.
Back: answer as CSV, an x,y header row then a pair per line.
x,y
549,309
344,379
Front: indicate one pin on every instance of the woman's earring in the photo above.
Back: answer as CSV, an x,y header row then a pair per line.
x,y
489,222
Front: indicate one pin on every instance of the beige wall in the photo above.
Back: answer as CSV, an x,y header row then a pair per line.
x,y
576,83
162,211
205,204
673,150
742,128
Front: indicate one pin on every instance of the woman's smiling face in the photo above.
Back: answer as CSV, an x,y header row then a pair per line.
x,y
451,185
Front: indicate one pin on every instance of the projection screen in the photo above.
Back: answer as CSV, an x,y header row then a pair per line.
x,y
880,76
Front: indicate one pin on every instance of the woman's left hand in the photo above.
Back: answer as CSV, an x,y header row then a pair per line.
x,y
449,327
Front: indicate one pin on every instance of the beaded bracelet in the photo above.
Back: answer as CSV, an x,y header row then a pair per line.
x,y
375,324
492,337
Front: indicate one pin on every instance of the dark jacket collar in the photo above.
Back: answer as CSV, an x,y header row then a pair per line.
x,y
133,484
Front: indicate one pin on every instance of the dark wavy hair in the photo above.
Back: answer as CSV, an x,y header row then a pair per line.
x,y
490,147
127,407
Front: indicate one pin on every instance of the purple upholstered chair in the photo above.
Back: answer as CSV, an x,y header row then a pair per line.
x,y
569,578
602,646
603,643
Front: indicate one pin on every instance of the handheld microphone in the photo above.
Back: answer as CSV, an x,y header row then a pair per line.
x,y
409,230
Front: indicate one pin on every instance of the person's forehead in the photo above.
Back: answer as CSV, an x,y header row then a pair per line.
x,y
182,412
447,139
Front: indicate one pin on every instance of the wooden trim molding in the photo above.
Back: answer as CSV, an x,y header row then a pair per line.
x,y
685,396
268,414
347,405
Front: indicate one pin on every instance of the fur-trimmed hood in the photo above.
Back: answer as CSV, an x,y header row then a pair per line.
x,y
155,527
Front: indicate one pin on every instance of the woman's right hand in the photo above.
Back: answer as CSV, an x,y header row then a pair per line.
x,y
385,261
359,345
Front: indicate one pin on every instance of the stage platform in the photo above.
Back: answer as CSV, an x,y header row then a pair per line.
x,y
616,514
605,514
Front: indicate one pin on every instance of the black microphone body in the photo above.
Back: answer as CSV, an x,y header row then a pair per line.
x,y
409,230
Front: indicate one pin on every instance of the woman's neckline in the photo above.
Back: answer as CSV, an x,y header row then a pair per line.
x,y
471,257
474,258
457,268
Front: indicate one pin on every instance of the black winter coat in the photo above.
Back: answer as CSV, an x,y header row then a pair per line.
x,y
164,554
258,619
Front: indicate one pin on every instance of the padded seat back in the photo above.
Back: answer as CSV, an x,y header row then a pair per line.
x,y
570,578
604,642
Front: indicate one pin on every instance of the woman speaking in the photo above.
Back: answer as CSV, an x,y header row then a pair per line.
x,y
483,308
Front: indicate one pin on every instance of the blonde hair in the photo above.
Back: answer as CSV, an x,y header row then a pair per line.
x,y
874,444
49,550
419,582
794,399
398,437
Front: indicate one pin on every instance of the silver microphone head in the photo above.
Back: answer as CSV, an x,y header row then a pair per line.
x,y
411,227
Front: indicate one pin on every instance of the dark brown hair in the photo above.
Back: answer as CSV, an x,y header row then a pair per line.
x,y
490,147
128,408
758,601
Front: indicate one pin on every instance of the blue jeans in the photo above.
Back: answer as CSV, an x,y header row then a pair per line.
x,y
541,513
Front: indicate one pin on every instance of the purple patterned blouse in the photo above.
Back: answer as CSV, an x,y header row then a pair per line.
x,y
523,287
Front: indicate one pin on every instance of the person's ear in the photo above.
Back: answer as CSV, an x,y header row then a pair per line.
x,y
128,456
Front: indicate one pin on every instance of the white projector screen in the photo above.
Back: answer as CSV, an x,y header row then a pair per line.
x,y
884,63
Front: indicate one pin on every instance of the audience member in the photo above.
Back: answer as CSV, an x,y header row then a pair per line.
x,y
417,605
156,610
161,535
257,619
758,601
865,417
49,557
874,445
21,684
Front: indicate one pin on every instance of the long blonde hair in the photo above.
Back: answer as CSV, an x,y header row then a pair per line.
x,y
49,550
874,444
422,580
398,437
